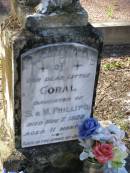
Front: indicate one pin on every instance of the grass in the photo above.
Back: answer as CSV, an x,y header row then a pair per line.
x,y
116,64
110,11
112,66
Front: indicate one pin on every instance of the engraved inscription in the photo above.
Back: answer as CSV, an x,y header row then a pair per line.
x,y
57,91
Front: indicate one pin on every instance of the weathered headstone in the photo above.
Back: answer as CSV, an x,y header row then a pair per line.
x,y
57,92
56,65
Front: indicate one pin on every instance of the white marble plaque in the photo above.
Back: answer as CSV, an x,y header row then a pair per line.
x,y
57,91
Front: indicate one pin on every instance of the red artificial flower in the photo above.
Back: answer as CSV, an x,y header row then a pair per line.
x,y
103,152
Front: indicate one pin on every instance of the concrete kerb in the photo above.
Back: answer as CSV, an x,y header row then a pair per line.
x,y
114,32
116,38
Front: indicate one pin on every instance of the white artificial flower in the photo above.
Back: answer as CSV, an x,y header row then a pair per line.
x,y
124,162
122,147
105,123
117,131
99,130
91,154
101,137
83,156
122,170
85,143
117,142
109,164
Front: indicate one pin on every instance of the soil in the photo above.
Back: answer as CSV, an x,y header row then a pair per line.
x,y
113,92
107,10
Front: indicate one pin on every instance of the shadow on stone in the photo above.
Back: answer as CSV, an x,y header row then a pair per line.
x,y
21,161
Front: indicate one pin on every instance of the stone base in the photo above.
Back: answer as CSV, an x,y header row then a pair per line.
x,y
46,159
55,158
40,21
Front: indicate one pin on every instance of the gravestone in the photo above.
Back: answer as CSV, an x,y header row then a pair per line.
x,y
56,61
57,92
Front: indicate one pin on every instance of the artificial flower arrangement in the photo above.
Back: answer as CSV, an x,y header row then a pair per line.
x,y
103,144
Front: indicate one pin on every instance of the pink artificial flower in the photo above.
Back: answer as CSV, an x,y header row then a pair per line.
x,y
103,152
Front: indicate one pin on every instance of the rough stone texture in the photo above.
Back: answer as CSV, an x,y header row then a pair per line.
x,y
6,114
55,158
49,158
67,19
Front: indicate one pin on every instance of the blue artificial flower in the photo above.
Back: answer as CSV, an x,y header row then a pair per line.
x,y
88,128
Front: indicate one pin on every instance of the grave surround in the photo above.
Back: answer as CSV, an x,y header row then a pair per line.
x,y
78,40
